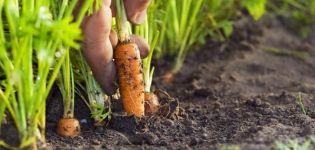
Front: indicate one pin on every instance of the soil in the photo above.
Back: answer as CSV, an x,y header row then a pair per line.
x,y
242,92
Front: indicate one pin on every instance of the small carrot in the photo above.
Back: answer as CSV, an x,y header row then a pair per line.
x,y
128,64
151,103
68,127
169,77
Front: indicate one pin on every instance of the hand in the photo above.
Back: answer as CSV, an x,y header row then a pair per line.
x,y
99,40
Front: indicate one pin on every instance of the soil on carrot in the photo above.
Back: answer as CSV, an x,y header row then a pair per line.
x,y
242,92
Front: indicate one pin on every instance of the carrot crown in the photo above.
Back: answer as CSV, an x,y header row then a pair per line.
x,y
122,22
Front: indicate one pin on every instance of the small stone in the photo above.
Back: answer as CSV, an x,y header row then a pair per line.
x,y
190,109
204,136
168,122
258,102
83,121
224,139
246,46
95,142
266,105
80,137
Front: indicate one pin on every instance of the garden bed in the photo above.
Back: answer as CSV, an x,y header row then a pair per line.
x,y
241,92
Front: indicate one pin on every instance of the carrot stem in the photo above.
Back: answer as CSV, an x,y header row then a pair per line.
x,y
122,22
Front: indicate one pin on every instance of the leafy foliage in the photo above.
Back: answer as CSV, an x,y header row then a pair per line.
x,y
255,7
296,145
220,15
184,24
297,14
180,28
35,36
85,82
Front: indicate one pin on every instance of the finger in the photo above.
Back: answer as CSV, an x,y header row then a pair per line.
x,y
113,38
139,18
80,4
142,45
98,49
136,10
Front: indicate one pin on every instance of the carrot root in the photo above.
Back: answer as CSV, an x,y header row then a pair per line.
x,y
131,86
151,104
168,77
68,127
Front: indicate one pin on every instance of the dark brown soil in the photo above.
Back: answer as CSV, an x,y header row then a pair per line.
x,y
241,92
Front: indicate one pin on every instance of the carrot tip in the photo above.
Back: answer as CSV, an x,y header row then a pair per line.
x,y
151,103
68,127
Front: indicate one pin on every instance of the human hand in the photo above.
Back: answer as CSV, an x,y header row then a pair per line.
x,y
99,40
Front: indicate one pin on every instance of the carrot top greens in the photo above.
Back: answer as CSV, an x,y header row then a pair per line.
x,y
35,37
96,100
122,22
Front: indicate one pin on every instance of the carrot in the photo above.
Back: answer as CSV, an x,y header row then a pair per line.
x,y
169,77
68,127
151,103
128,65
131,87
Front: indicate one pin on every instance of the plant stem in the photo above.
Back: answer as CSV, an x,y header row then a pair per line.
x,y
67,87
301,103
122,22
96,98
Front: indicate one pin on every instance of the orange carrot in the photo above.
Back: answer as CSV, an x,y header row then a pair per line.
x,y
128,65
151,103
68,127
169,77
131,86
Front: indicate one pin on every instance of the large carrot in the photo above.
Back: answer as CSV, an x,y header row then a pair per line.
x,y
128,64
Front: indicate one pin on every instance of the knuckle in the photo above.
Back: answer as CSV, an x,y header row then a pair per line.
x,y
107,3
106,20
